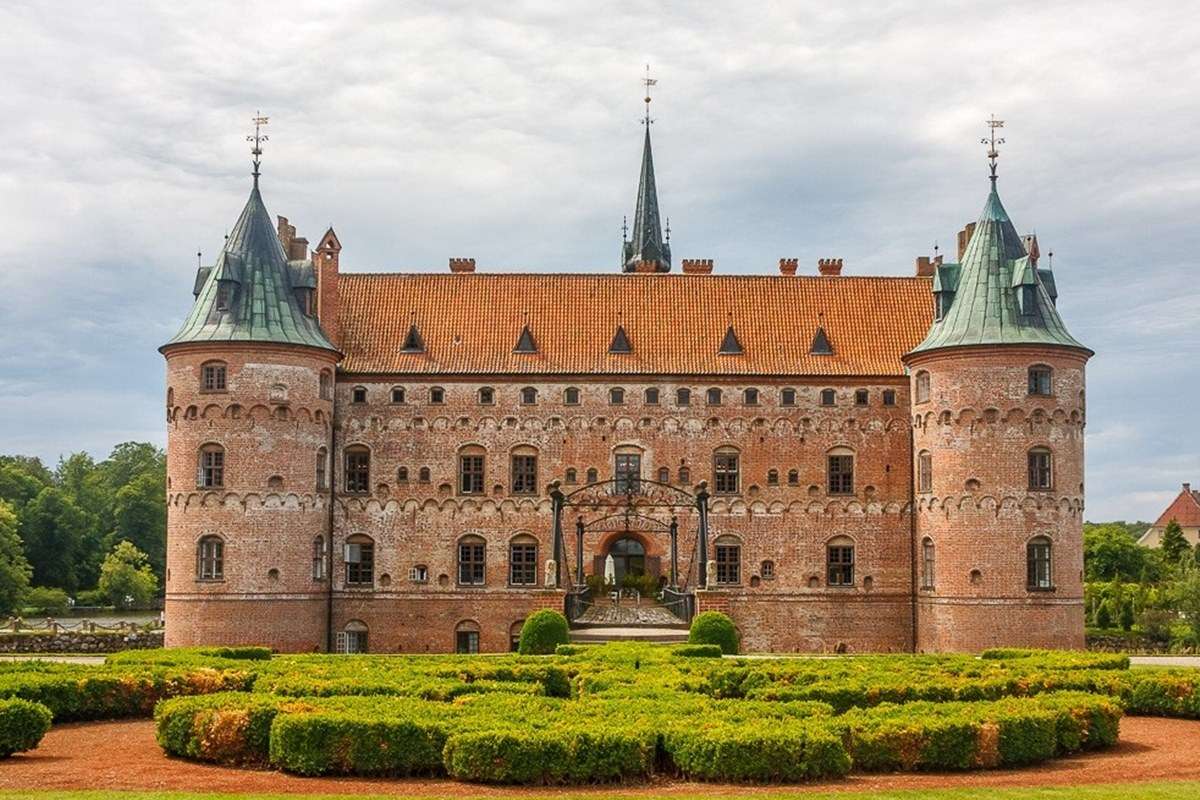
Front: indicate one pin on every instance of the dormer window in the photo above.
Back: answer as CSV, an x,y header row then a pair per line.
x,y
941,303
1028,299
224,295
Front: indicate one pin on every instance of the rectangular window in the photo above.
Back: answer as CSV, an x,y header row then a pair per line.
x,y
471,563
1038,554
223,295
318,559
470,474
466,642
522,564
861,397
213,377
750,397
212,560
683,397
212,468
397,395
729,563
652,397
354,642
924,472
1040,472
571,397
927,565
487,396
437,396
841,474
1039,381
360,563
358,394
841,565
787,397
725,473
358,471
627,470
524,474
889,397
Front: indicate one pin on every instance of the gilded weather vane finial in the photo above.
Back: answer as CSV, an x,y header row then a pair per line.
x,y
258,138
991,141
648,82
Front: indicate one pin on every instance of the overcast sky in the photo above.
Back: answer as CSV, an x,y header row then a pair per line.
x,y
509,132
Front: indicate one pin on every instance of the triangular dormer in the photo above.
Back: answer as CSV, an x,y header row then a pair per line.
x,y
413,343
730,346
525,343
820,344
620,342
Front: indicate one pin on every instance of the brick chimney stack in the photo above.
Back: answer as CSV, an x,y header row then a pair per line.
x,y
964,239
697,266
1187,487
461,265
788,266
926,266
830,267
325,262
295,247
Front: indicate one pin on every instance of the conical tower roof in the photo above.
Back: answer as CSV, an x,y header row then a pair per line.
x,y
986,308
249,295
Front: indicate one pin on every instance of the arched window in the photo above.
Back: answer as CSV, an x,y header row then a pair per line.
x,y
828,397
728,552
839,561
437,395
358,469
570,396
924,471
353,638
889,397
840,470
1038,564
683,397
922,387
684,476
787,398
402,475
318,558
616,396
767,570
522,561
325,385
713,397
358,395
927,563
1041,380
570,476
726,471
170,398
472,561
651,396
862,397
528,396
466,637
398,395
471,470
772,477
210,471
793,477
213,376
592,475
664,475
487,396
423,475
750,397
359,555
1041,469
524,470
210,558
322,468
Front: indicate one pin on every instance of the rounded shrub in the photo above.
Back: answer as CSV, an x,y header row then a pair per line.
x,y
713,627
542,633
22,725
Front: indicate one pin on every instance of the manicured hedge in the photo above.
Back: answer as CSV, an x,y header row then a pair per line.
x,y
1162,693
542,632
755,752
697,651
713,627
334,742
226,728
550,756
22,725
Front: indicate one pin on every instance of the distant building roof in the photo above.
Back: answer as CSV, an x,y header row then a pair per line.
x,y
675,324
1184,509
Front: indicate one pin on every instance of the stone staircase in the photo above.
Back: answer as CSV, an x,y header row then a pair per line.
x,y
627,621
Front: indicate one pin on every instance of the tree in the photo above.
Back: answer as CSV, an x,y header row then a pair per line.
x,y
126,577
1185,598
14,568
1111,551
140,517
1126,619
17,485
1103,616
1174,544
52,528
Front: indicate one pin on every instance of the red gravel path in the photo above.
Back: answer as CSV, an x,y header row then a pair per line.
x,y
124,755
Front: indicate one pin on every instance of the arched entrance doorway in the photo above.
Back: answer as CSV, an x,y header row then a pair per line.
x,y
629,557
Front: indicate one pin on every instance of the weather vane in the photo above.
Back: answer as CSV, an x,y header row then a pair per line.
x,y
991,141
648,82
258,138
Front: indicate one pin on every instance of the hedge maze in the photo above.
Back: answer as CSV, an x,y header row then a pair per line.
x,y
592,714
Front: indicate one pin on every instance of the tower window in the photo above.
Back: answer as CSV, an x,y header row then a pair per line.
x,y
787,397
487,396
471,561
839,562
1041,472
714,397
652,397
524,474
684,476
921,392
570,396
725,472
828,397
437,395
212,377
861,397
1041,380
841,472
729,561
402,475
592,475
359,555
322,468
616,397
325,385
925,471
927,563
767,570
470,473
224,295
889,397
423,475
210,558
358,394
358,470
772,477
750,397
571,476
398,395
1037,564
522,561
793,477
528,396
318,558
683,397
627,470
211,472
664,475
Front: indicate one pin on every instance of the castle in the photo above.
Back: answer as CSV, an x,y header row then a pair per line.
x,y
415,462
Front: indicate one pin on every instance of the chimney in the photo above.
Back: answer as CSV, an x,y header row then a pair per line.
x,y
325,264
830,267
697,266
1187,487
788,266
286,234
926,266
964,239
462,265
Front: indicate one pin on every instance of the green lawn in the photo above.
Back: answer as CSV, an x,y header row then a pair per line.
x,y
1183,790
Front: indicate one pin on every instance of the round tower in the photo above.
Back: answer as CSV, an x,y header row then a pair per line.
x,y
249,408
997,391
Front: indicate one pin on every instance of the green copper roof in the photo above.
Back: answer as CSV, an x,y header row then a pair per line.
x,y
260,286
984,304
647,242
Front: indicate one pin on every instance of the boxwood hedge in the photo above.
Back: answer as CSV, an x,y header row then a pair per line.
x,y
22,725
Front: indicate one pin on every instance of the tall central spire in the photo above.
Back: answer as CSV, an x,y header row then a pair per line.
x,y
646,251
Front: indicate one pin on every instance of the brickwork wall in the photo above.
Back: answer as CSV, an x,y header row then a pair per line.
x,y
271,421
978,425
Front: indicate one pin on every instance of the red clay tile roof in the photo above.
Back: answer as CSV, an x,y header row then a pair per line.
x,y
1185,510
470,323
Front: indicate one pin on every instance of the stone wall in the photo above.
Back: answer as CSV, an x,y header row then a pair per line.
x,y
78,641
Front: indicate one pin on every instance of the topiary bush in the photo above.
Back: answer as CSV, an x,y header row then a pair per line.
x,y
22,725
697,651
713,627
542,632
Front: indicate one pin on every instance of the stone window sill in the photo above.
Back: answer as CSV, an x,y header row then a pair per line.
x,y
1041,589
